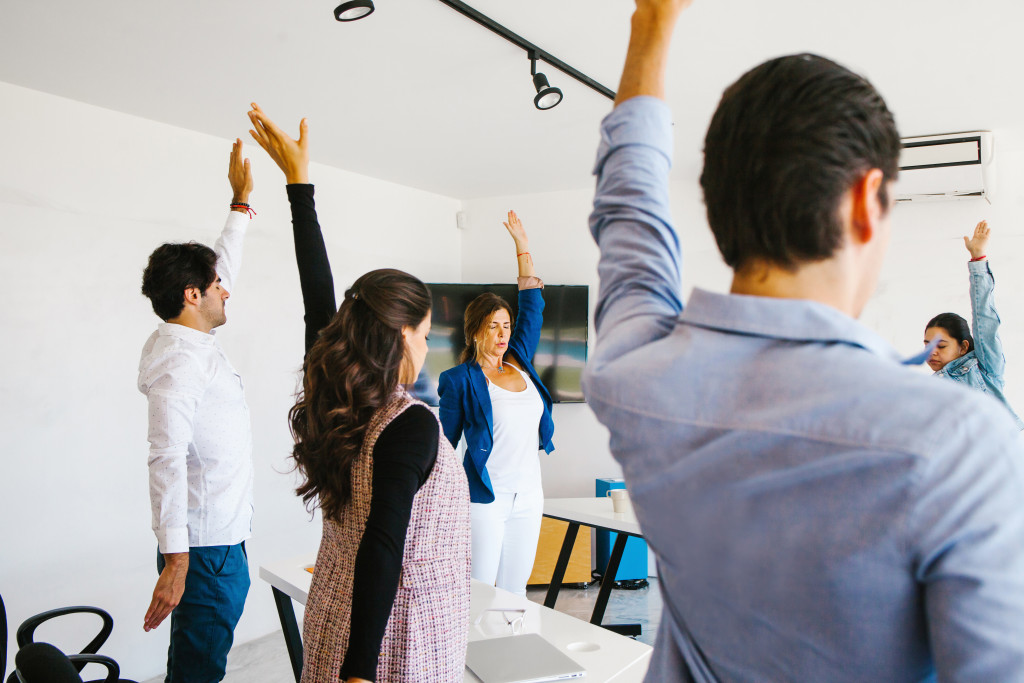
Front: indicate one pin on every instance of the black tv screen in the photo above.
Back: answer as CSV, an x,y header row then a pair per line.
x,y
560,356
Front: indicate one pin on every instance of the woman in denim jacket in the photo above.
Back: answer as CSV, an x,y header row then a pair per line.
x,y
976,361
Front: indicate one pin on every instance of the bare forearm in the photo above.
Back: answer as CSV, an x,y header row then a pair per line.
x,y
524,258
647,56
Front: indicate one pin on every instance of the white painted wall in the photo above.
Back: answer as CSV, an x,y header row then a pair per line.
x,y
85,195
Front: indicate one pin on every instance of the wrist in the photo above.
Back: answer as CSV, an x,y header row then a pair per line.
x,y
176,561
978,257
240,198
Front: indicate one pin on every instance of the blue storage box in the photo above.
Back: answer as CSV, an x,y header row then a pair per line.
x,y
634,558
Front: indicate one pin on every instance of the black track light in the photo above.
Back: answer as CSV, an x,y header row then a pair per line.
x,y
355,9
547,97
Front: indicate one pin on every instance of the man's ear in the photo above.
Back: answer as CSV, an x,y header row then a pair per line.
x,y
193,295
866,208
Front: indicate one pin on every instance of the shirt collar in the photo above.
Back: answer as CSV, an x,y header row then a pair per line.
x,y
186,333
790,319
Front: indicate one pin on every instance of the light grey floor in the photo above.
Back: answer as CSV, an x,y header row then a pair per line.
x,y
265,660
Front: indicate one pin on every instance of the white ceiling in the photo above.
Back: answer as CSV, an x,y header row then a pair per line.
x,y
419,95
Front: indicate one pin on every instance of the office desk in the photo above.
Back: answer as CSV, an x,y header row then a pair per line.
x,y
596,513
607,657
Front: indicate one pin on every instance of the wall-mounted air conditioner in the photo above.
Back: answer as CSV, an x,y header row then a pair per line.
x,y
955,166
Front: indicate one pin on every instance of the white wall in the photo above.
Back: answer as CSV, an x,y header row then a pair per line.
x,y
85,195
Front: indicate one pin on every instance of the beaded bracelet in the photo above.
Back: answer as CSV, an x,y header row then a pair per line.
x,y
242,205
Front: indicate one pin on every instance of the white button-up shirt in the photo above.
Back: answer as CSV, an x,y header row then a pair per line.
x,y
200,436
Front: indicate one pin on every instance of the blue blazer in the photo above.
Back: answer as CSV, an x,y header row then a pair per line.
x,y
466,404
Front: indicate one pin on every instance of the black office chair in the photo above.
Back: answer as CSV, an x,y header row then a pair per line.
x,y
39,657
44,663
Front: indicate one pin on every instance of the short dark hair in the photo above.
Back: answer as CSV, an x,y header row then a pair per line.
x,y
955,326
172,269
788,139
478,312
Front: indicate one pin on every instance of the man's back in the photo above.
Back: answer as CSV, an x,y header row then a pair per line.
x,y
822,498
818,511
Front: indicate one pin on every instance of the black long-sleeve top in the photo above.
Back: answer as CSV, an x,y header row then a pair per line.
x,y
403,457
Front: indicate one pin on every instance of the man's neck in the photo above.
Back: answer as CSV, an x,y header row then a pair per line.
x,y
825,282
196,322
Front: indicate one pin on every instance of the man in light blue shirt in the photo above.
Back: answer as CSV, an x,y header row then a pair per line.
x,y
819,512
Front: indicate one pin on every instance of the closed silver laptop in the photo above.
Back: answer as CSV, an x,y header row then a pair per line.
x,y
520,659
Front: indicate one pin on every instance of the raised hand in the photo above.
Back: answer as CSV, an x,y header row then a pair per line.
x,y
290,155
239,175
979,242
515,228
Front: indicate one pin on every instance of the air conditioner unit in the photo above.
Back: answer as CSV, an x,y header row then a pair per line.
x,y
954,166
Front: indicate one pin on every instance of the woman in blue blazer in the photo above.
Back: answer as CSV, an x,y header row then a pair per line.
x,y
496,400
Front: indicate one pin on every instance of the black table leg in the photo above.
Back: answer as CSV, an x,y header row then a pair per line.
x,y
608,579
560,566
290,627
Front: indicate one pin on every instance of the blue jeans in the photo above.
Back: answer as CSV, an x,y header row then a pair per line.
x,y
203,623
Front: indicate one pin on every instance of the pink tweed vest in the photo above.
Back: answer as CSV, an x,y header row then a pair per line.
x,y
425,639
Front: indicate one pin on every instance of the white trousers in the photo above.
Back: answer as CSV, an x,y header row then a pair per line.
x,y
505,535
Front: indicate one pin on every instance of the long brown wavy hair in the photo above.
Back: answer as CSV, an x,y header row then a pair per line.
x,y
478,314
349,373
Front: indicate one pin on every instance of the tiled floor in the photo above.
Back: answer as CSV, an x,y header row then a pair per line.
x,y
265,660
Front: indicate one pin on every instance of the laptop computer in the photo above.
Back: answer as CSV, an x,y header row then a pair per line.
x,y
526,658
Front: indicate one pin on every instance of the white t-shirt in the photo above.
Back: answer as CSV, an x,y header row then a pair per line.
x,y
514,463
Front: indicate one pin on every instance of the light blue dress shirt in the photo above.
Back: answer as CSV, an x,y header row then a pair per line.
x,y
984,366
818,511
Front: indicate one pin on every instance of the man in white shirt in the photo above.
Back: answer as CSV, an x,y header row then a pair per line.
x,y
200,455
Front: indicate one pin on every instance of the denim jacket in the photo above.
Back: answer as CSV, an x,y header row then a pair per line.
x,y
983,367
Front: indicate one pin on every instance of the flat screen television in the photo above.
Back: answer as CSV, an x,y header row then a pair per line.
x,y
560,356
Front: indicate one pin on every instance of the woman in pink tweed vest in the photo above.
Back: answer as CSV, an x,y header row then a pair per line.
x,y
389,599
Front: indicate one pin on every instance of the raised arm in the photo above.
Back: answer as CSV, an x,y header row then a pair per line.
x,y
984,319
315,277
526,334
523,257
229,245
639,296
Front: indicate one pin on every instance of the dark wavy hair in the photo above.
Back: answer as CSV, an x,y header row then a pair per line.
x,y
955,326
478,312
172,269
348,374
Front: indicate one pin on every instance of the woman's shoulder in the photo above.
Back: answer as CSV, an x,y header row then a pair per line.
x,y
455,373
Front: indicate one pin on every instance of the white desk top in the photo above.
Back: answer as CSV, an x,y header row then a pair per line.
x,y
607,656
596,512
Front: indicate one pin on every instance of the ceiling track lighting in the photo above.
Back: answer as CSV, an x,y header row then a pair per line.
x,y
353,10
547,97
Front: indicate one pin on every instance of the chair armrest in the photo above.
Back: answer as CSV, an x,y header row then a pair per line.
x,y
113,670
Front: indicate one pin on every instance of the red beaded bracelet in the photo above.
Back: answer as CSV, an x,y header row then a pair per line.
x,y
980,258
242,205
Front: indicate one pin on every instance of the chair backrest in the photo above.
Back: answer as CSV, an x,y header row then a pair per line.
x,y
26,631
43,663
